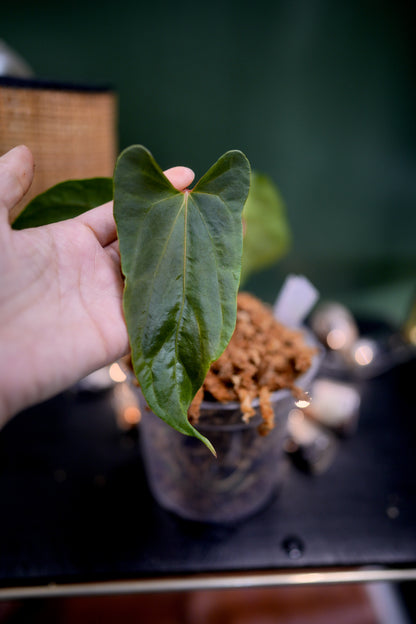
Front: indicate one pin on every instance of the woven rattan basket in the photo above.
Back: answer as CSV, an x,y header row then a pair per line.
x,y
71,130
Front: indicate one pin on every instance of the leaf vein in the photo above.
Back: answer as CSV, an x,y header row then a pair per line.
x,y
180,316
217,268
219,197
159,263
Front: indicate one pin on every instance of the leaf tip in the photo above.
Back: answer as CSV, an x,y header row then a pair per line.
x,y
210,447
203,439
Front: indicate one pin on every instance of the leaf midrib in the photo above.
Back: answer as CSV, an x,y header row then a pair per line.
x,y
146,315
185,241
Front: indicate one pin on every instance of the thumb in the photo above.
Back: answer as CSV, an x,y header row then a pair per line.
x,y
16,175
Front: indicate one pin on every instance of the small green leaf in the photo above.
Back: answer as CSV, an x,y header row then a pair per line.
x,y
181,257
267,235
64,201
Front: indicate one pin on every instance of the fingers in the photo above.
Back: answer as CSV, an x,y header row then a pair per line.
x,y
180,177
101,220
113,250
16,175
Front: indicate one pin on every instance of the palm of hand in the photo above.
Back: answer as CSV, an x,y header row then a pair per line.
x,y
61,303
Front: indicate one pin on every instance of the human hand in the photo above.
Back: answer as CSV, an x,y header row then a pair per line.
x,y
60,294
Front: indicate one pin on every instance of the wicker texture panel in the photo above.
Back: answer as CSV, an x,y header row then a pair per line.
x,y
72,134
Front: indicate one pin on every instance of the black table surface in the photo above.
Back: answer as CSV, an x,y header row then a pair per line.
x,y
76,506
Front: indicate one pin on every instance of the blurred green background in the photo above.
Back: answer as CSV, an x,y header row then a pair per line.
x,y
319,94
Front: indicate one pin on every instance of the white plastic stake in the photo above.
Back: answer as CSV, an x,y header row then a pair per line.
x,y
295,300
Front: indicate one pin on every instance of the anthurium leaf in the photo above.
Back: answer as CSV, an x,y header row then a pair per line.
x,y
181,257
64,201
267,233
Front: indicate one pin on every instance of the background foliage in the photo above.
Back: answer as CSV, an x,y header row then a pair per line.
x,y
320,95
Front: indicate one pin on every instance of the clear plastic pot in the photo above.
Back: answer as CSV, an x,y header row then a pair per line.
x,y
187,479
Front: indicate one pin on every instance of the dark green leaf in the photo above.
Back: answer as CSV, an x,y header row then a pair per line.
x,y
267,235
181,256
64,201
